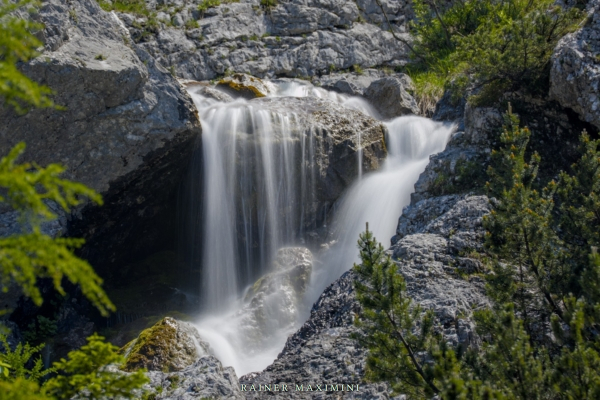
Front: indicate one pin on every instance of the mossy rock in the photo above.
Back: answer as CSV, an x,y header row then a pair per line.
x,y
243,85
170,345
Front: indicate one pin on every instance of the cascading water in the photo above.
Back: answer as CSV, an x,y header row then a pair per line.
x,y
259,184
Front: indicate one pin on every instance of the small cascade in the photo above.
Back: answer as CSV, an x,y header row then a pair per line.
x,y
258,180
380,197
258,191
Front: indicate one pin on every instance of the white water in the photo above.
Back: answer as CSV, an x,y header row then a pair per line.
x,y
258,180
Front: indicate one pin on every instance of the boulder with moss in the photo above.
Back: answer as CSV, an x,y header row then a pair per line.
x,y
244,85
170,345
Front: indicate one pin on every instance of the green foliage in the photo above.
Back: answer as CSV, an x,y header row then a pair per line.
x,y
18,44
20,389
87,373
18,359
358,69
137,7
39,330
26,257
269,3
191,24
206,4
397,334
497,45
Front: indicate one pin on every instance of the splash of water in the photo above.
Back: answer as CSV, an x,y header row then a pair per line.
x,y
255,196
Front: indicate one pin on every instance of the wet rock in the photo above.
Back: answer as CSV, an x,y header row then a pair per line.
x,y
338,134
273,302
169,345
243,85
391,96
207,91
575,71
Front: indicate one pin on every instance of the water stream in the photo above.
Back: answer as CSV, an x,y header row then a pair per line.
x,y
258,190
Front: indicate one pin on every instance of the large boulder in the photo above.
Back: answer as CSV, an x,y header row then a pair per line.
x,y
170,345
575,72
339,135
126,128
391,97
273,302
180,364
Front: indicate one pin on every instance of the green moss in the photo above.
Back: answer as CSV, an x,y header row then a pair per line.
x,y
152,345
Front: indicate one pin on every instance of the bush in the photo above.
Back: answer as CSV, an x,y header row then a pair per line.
x,y
489,46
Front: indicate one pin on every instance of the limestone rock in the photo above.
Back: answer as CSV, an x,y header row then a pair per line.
x,y
170,345
298,38
575,71
127,129
349,83
244,85
391,98
204,379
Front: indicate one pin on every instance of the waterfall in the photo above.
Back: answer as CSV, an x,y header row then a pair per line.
x,y
380,196
258,190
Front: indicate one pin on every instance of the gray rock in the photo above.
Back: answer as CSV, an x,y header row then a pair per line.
x,y
349,83
297,38
391,98
205,379
272,304
575,71
127,129
474,144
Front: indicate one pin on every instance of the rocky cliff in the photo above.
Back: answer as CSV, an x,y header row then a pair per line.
x,y
125,128
201,40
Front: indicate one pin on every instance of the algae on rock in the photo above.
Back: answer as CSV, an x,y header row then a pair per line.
x,y
169,345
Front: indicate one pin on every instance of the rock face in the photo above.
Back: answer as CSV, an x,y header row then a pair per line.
x,y
127,128
296,38
349,83
575,73
205,379
170,345
390,96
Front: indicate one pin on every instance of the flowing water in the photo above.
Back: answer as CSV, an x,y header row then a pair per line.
x,y
258,184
